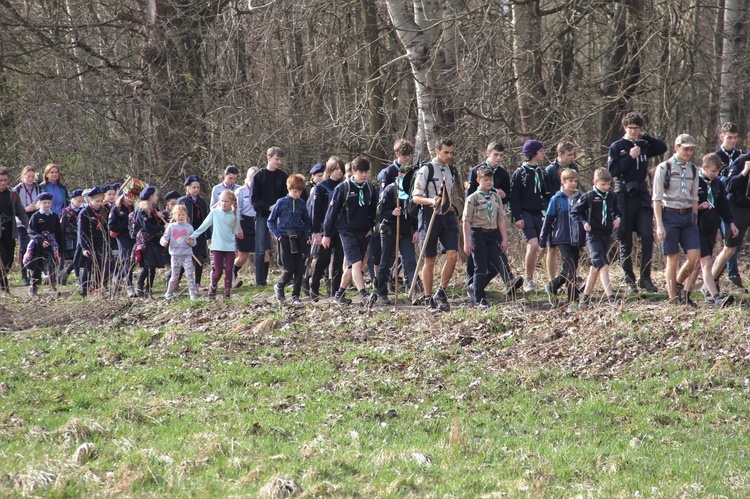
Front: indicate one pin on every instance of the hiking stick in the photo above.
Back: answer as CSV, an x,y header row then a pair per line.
x,y
398,236
426,239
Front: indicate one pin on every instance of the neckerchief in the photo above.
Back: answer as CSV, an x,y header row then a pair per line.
x,y
605,210
709,190
98,219
531,169
361,188
683,178
488,198
30,192
196,208
729,156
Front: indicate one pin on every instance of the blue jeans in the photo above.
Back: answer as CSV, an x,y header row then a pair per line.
x,y
262,243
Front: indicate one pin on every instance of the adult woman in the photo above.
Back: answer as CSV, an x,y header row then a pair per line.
x,y
53,184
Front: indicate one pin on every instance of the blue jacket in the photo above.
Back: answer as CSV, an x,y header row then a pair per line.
x,y
559,226
737,185
344,211
388,174
528,191
289,214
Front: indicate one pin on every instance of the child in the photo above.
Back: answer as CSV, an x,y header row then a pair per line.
x,y
675,195
43,251
352,213
269,185
713,210
402,152
566,154
197,210
599,213
225,225
147,250
27,191
246,245
230,183
176,236
561,231
482,218
118,230
290,223
171,200
528,195
69,223
93,235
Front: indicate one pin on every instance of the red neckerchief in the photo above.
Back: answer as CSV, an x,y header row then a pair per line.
x,y
98,218
196,208
30,193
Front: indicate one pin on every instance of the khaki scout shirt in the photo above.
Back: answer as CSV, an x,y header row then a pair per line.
x,y
674,196
475,210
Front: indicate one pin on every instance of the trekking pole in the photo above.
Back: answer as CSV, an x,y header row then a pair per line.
x,y
398,236
426,239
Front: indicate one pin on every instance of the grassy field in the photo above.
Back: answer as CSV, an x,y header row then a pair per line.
x,y
246,398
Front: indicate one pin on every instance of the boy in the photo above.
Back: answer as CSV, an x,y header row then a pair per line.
x,y
528,195
69,223
10,208
320,199
402,151
351,212
230,183
675,195
92,240
566,154
729,154
269,185
197,212
433,186
559,229
628,164
599,213
713,210
43,252
483,217
391,210
290,223
501,184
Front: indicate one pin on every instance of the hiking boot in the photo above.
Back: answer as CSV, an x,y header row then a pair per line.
x,y
737,284
685,298
169,296
278,290
211,293
707,295
514,286
528,285
432,306
483,304
647,285
631,289
340,299
296,302
418,301
32,291
369,300
139,293
723,301
550,293
442,299
384,300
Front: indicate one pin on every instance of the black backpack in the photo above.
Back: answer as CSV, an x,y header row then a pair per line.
x,y
668,174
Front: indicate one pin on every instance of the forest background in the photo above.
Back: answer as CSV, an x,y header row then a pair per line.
x,y
161,89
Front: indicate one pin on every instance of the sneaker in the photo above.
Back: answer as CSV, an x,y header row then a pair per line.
x,y
139,293
130,291
442,300
238,283
369,300
278,290
431,304
419,301
550,293
582,303
470,291
211,293
707,295
384,300
723,301
632,289
528,285
32,291
483,303
169,296
737,284
341,299
613,300
514,286
25,281
296,302
193,297
647,285
685,298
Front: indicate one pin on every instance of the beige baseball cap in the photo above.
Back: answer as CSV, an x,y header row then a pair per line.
x,y
685,140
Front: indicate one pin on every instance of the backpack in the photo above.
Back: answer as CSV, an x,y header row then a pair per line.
x,y
133,227
412,208
370,188
668,174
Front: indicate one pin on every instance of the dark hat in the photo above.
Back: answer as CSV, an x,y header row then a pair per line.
x,y
45,196
96,190
318,168
231,170
191,179
117,186
531,147
172,195
147,193
109,187
76,193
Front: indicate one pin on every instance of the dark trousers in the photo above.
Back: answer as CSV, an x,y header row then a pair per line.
x,y
23,243
335,251
223,263
146,279
293,264
505,273
262,243
570,255
43,260
388,255
373,256
95,270
7,249
486,256
635,218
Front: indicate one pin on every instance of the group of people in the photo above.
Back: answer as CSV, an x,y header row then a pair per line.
x,y
339,226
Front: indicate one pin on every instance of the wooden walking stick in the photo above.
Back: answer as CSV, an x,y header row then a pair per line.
x,y
426,238
398,236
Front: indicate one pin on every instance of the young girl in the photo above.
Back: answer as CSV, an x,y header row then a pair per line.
x,y
177,237
43,251
28,191
225,225
69,222
147,250
118,229
197,210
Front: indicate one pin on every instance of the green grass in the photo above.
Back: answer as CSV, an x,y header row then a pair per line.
x,y
174,409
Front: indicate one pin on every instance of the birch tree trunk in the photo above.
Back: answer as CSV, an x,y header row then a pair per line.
x,y
735,20
527,64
